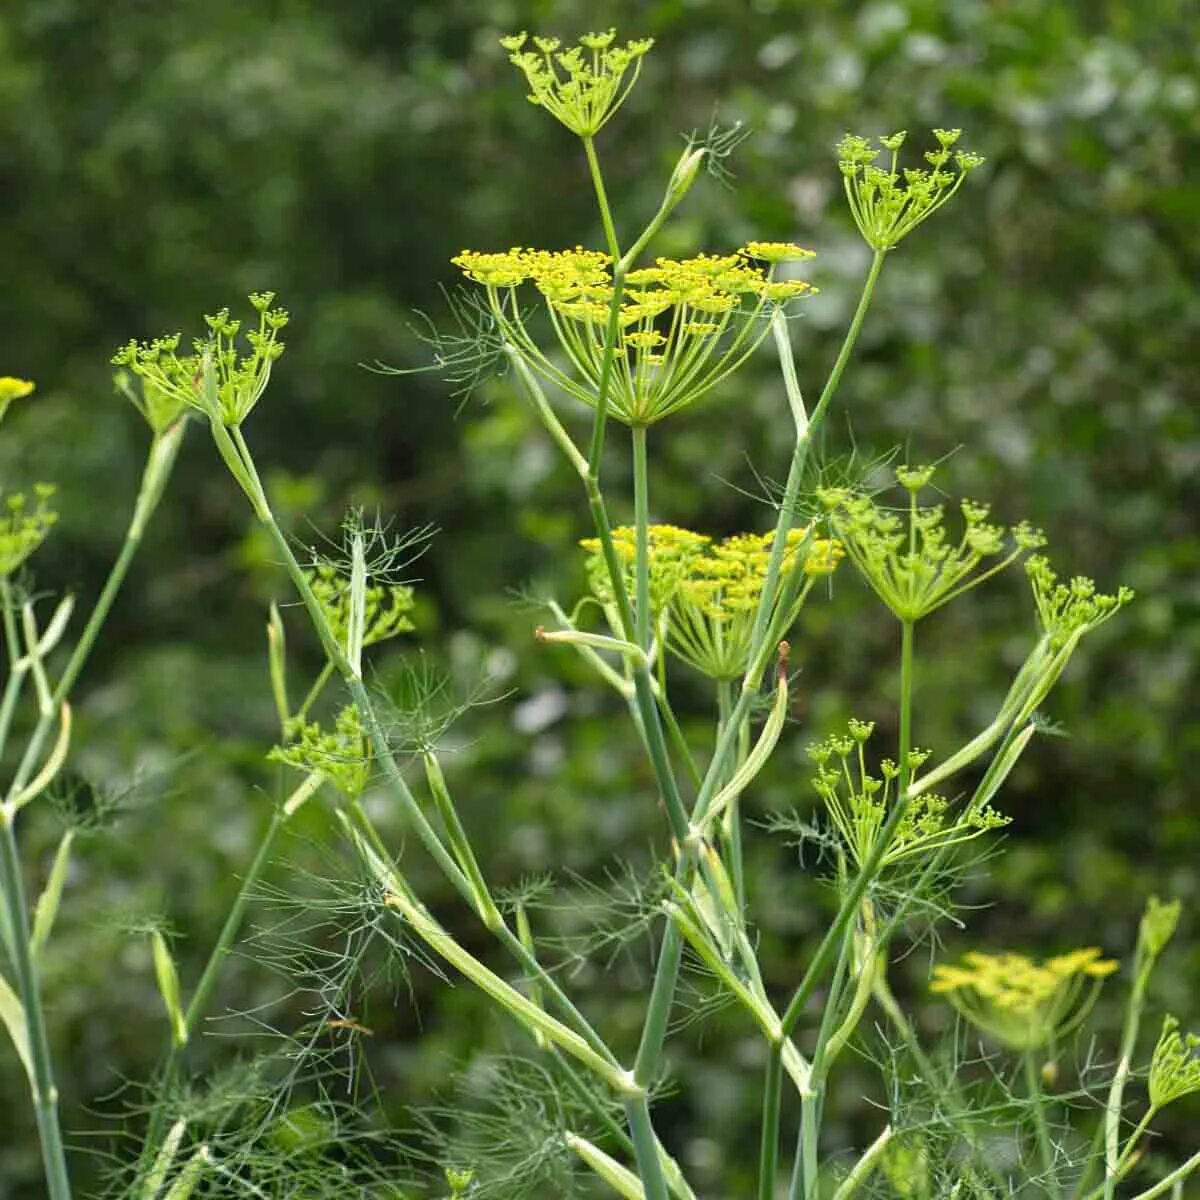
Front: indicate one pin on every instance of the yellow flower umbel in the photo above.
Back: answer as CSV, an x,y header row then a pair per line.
x,y
683,325
704,594
581,87
713,609
12,389
1022,1003
672,551
887,205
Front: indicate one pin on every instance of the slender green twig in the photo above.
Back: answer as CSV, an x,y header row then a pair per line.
x,y
159,464
45,1093
1038,1102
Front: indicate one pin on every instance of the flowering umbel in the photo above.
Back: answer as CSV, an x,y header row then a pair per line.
x,y
681,327
908,559
216,379
1020,1002
24,526
583,86
888,204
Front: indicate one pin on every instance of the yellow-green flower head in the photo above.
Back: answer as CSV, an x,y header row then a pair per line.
x,y
682,326
777,252
385,613
888,204
859,802
1068,610
1020,1002
1175,1068
342,755
12,389
583,86
24,526
215,378
711,618
672,550
907,556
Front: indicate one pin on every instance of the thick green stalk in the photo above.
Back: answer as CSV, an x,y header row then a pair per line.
x,y
645,1148
768,1153
806,1171
45,1093
1045,1146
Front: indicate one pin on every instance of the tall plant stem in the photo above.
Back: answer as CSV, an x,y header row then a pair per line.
x,y
768,1153
44,1091
391,769
1038,1100
159,463
667,969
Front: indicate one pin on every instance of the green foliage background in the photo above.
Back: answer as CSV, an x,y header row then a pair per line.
x,y
161,160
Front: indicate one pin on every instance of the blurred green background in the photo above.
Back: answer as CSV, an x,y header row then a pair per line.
x,y
160,161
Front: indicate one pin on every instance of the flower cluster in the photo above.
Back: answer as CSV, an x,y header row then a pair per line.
x,y
215,378
342,755
385,612
887,205
1022,1003
12,389
713,610
704,594
24,527
582,86
680,328
1066,611
1175,1067
908,560
859,802
672,551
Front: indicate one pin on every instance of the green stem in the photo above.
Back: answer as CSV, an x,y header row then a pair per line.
x,y
1045,1147
807,1169
159,463
610,232
44,1092
768,1154
870,868
641,521
313,692
645,1148
658,1011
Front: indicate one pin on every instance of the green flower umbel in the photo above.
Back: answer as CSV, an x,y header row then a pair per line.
x,y
888,204
216,379
584,86
908,558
